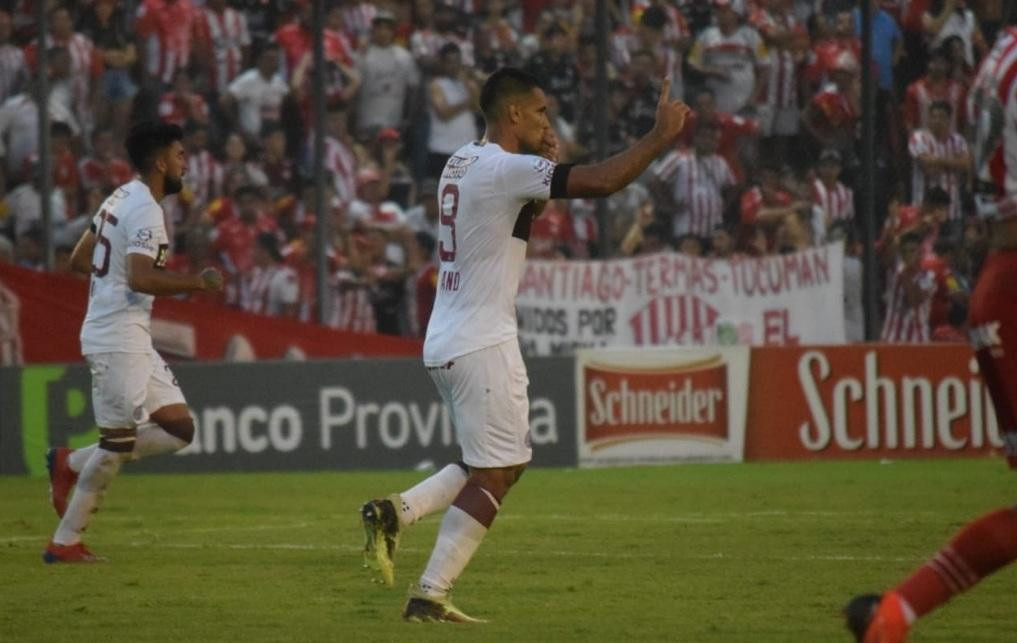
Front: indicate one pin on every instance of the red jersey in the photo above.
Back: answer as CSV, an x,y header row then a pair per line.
x,y
168,26
425,289
733,130
837,202
225,34
922,93
838,113
296,42
551,229
907,323
825,53
178,108
65,176
104,174
753,201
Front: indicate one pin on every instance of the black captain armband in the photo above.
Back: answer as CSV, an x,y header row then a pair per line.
x,y
560,180
91,226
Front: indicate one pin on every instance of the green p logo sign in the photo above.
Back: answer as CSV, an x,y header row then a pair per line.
x,y
56,409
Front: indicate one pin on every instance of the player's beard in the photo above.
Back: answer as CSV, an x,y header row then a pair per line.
x,y
171,185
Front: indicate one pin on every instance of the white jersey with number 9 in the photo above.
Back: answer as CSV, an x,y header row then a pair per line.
x,y
481,247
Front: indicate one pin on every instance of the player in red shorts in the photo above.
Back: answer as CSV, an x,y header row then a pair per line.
x,y
990,542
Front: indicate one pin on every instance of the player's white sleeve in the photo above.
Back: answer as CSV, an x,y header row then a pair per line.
x,y
526,177
146,233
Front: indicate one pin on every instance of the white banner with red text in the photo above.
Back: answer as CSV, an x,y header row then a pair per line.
x,y
673,299
661,406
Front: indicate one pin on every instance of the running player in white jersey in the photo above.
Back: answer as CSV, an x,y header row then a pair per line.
x,y
489,192
988,543
138,406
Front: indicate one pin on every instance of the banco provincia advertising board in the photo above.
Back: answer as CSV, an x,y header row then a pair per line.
x,y
265,416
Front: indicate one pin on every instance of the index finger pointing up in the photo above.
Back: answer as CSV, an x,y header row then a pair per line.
x,y
665,90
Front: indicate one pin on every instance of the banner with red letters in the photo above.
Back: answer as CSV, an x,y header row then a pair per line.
x,y
41,315
660,406
673,299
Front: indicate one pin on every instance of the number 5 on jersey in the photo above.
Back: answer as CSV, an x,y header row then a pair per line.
x,y
104,217
448,208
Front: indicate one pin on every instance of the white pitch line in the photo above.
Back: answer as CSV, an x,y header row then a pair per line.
x,y
495,550
689,518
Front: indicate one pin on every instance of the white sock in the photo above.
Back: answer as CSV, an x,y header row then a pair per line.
x,y
458,538
77,458
909,612
153,440
431,494
95,477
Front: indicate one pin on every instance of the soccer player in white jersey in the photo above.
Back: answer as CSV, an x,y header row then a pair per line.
x,y
138,405
489,192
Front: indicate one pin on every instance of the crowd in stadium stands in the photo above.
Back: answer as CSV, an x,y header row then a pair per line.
x,y
769,162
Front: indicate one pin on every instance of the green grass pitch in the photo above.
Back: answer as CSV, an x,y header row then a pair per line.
x,y
754,552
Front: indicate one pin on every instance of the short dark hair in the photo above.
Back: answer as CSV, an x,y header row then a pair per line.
x,y
60,129
270,244
941,106
654,18
505,83
147,139
936,196
426,242
449,48
910,237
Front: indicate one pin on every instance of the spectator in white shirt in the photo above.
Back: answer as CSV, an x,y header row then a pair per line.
x,y
256,96
389,76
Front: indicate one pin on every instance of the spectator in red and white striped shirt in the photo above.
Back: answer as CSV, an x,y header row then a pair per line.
x,y
271,288
167,27
182,104
833,198
223,41
13,67
787,41
937,85
86,64
909,295
940,158
203,180
695,185
103,169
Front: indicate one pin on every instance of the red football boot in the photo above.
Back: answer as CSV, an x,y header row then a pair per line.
x,y
69,554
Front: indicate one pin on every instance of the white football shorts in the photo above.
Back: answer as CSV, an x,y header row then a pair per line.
x,y
128,387
486,394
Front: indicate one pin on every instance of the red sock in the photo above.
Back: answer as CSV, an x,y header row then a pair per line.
x,y
978,550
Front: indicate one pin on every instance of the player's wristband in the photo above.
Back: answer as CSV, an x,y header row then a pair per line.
x,y
560,180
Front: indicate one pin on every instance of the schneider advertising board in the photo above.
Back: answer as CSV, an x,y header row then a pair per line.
x,y
661,406
283,416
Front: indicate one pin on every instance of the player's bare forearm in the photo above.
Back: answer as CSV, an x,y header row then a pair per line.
x,y
165,283
611,175
81,256
143,276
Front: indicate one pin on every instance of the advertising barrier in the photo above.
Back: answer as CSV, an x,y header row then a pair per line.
x,y
346,414
672,299
661,406
41,314
868,401
605,407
